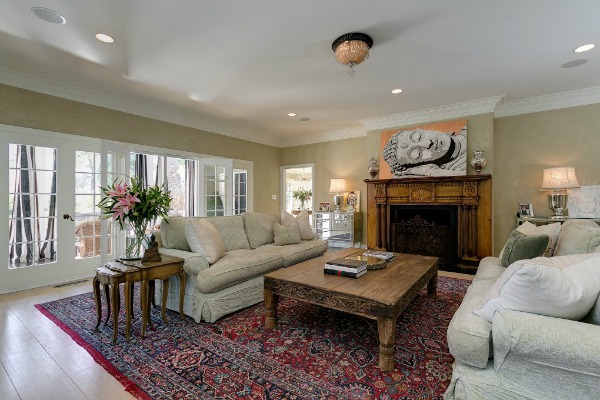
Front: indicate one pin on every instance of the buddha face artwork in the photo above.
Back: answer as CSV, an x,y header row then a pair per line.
x,y
426,151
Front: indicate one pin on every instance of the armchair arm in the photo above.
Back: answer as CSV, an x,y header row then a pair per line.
x,y
193,264
556,344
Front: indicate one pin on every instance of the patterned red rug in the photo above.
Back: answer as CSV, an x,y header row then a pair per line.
x,y
315,353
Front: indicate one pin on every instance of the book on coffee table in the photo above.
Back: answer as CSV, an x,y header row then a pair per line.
x,y
348,274
347,263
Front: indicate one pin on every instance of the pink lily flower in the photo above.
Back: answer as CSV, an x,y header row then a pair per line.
x,y
128,202
118,213
119,190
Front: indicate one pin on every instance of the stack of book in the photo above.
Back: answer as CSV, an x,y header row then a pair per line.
x,y
346,267
384,255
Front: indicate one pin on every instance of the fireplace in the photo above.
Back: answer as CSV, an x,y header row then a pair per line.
x,y
427,230
448,217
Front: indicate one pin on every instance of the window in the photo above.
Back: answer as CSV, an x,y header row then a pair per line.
x,y
87,196
240,197
32,205
215,183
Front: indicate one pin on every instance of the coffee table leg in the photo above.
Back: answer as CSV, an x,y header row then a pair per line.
x,y
432,287
96,285
387,341
271,306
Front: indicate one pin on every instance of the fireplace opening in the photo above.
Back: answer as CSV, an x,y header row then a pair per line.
x,y
428,230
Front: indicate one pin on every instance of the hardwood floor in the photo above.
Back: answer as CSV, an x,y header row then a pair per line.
x,y
40,361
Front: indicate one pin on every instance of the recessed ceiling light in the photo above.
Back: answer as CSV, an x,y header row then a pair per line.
x,y
49,15
396,91
304,119
585,47
104,38
574,63
292,114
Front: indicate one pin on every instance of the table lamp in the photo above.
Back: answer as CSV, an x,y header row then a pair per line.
x,y
557,181
338,187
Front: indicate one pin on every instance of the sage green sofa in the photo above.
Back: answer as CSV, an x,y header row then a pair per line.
x,y
234,281
522,355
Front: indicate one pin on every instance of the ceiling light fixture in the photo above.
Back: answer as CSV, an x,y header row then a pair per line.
x,y
292,114
49,15
396,91
585,47
104,38
351,49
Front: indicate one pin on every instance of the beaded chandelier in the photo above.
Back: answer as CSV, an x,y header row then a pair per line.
x,y
351,49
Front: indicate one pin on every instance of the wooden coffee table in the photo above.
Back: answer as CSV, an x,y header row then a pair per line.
x,y
379,294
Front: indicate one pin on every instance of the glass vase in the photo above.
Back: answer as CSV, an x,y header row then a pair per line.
x,y
136,242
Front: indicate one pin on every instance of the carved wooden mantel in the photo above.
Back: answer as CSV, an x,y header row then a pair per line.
x,y
472,194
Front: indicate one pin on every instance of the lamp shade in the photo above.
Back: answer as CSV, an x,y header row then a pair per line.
x,y
338,185
559,178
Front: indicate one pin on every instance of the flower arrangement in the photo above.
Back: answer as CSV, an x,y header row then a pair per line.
x,y
136,206
303,195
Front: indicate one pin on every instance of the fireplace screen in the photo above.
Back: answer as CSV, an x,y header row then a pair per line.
x,y
427,235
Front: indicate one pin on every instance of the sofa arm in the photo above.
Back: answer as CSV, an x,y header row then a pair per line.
x,y
571,347
193,264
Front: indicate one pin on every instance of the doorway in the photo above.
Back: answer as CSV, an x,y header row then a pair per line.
x,y
296,179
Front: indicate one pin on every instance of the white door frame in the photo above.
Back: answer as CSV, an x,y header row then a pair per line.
x,y
282,183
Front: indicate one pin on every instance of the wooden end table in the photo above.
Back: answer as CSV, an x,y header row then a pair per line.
x,y
379,294
145,273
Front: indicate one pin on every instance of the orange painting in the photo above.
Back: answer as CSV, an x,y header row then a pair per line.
x,y
451,128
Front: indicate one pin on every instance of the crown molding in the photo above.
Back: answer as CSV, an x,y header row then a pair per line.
x,y
53,87
549,102
452,111
328,136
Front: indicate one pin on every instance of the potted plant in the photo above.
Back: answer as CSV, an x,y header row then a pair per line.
x,y
134,207
302,195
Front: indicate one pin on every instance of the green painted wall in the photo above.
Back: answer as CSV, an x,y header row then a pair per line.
x,y
526,144
34,110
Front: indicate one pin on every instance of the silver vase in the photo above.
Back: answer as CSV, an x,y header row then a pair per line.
x,y
373,167
478,161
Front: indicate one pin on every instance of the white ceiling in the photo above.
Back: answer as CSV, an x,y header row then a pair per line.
x,y
250,62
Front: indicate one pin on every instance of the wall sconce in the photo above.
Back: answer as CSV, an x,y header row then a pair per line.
x,y
557,181
338,186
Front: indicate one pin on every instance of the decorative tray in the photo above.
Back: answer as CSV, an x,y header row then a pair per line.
x,y
372,262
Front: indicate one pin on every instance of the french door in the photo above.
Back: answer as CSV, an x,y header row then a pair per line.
x,y
40,209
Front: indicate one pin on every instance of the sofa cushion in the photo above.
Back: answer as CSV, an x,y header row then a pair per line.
x,y
204,239
552,230
231,229
303,220
285,235
259,228
295,253
172,233
520,246
544,286
235,267
577,237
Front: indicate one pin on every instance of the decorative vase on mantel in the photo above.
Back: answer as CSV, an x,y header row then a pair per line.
x,y
373,167
478,161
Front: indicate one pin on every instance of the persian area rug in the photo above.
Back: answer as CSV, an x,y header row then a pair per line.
x,y
314,353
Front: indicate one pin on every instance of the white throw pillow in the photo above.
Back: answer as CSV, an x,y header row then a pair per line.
x,y
529,229
302,218
204,239
562,287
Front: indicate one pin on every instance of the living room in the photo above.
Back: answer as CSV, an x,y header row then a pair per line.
x,y
521,136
